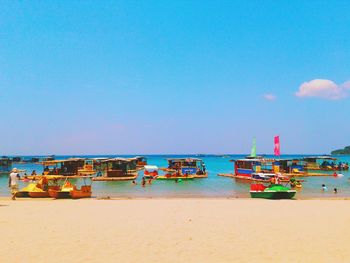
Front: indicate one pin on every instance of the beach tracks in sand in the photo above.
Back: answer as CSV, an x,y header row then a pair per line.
x,y
175,230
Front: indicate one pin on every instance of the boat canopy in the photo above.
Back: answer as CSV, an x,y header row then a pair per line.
x,y
54,162
257,160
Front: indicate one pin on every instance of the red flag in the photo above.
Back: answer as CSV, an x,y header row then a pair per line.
x,y
277,149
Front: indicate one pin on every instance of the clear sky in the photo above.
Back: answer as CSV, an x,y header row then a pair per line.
x,y
124,77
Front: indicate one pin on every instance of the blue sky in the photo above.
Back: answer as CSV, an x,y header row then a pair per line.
x,y
120,77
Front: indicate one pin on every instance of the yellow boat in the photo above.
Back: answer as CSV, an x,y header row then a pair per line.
x,y
24,192
38,189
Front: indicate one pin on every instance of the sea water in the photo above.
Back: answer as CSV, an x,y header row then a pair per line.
x,y
213,186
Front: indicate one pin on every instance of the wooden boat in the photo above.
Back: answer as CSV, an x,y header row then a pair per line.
x,y
190,167
69,167
116,169
274,191
83,192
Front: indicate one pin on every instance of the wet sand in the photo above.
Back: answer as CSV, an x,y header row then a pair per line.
x,y
174,230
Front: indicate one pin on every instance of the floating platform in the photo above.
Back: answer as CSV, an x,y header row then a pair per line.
x,y
200,175
111,179
53,177
306,174
227,175
246,178
176,178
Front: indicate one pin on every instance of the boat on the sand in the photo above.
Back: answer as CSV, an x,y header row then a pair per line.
x,y
69,190
83,192
63,192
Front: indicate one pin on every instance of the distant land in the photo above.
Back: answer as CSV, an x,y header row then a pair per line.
x,y
346,150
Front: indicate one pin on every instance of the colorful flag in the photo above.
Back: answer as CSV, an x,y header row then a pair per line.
x,y
277,149
253,153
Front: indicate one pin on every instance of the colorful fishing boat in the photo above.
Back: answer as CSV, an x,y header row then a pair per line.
x,y
274,191
186,168
283,168
255,169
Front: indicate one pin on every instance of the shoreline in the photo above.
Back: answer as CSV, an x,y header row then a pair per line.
x,y
2,198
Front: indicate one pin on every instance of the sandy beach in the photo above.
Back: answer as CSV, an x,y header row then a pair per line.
x,y
174,230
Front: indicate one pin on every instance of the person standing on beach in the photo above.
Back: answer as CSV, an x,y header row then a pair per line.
x,y
13,182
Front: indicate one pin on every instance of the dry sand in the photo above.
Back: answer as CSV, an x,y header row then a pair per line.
x,y
175,230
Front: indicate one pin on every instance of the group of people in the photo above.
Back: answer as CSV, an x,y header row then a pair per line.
x,y
324,189
143,181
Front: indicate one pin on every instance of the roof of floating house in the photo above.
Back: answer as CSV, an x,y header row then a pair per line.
x,y
323,157
118,159
63,161
190,159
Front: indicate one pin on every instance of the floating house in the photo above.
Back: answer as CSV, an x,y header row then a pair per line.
x,y
5,164
324,163
116,169
67,167
291,166
17,159
246,167
259,168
